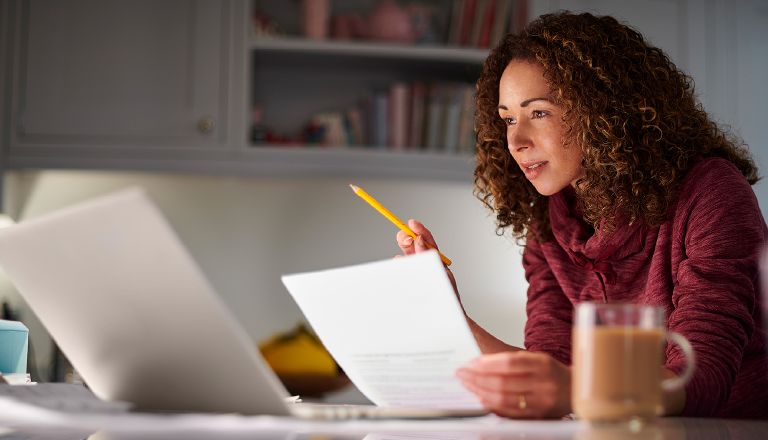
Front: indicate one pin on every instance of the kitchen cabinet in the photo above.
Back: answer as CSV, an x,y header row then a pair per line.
x,y
134,85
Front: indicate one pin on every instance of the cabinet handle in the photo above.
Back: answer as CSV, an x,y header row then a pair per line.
x,y
206,124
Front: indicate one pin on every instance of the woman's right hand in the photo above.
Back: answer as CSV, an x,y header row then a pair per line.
x,y
411,246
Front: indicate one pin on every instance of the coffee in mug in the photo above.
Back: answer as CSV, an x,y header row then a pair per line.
x,y
618,352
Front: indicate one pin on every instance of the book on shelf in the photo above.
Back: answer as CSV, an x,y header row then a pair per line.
x,y
454,30
380,118
476,27
368,117
466,129
519,18
482,23
415,135
486,28
467,21
452,102
437,116
501,21
399,108
356,126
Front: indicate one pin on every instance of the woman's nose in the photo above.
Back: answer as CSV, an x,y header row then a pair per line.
x,y
518,138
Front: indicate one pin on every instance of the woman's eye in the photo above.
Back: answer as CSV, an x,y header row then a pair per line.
x,y
539,114
509,121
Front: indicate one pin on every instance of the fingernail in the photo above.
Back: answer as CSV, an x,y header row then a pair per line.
x,y
421,240
461,373
408,240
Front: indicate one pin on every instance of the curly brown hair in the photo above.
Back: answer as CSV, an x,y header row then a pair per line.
x,y
633,113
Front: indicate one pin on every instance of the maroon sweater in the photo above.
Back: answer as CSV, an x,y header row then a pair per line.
x,y
701,266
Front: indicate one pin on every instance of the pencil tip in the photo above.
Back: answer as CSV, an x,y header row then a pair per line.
x,y
354,188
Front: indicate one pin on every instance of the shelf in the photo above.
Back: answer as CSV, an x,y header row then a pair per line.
x,y
256,161
371,49
350,162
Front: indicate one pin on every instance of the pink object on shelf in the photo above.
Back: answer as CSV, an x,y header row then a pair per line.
x,y
315,18
349,26
392,22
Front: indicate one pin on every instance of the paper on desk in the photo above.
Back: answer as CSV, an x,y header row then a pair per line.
x,y
395,327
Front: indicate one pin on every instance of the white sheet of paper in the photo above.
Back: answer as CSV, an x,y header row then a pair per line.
x,y
395,327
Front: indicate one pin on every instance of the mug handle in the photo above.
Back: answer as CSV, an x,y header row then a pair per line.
x,y
678,382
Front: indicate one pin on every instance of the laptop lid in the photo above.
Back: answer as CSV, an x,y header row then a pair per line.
x,y
127,304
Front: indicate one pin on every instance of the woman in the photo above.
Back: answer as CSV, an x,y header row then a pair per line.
x,y
593,150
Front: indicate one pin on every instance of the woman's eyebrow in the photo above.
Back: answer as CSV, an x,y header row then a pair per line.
x,y
524,103
528,101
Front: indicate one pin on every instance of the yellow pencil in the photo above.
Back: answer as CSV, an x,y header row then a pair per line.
x,y
371,201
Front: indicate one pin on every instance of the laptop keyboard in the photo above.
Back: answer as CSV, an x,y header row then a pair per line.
x,y
61,397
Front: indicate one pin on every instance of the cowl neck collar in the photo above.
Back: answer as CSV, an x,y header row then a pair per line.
x,y
592,250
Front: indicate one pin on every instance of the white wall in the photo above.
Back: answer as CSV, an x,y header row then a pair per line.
x,y
245,233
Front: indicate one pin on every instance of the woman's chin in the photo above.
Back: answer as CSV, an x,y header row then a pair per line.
x,y
546,189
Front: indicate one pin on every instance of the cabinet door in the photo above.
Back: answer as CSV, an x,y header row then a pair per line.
x,y
123,73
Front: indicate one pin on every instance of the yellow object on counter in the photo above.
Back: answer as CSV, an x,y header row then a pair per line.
x,y
298,352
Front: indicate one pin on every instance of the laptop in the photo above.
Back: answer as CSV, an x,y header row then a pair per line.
x,y
127,304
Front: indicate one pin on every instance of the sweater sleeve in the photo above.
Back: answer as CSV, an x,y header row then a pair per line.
x,y
550,312
719,227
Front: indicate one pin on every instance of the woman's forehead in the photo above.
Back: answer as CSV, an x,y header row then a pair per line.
x,y
522,81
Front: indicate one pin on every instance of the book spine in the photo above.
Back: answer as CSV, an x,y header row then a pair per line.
x,y
481,7
453,95
370,118
417,115
337,128
501,21
487,25
466,120
519,17
399,112
434,117
381,122
467,21
457,12
355,121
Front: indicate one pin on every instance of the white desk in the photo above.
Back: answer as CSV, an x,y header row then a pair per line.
x,y
223,427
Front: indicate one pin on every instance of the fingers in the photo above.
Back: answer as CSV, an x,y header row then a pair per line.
x,y
500,372
515,404
411,246
499,380
494,382
419,229
509,363
405,242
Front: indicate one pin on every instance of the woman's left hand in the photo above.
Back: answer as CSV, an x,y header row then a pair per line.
x,y
520,384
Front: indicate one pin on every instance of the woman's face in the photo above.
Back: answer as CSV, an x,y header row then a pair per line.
x,y
535,129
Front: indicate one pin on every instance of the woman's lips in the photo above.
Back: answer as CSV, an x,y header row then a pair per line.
x,y
532,170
